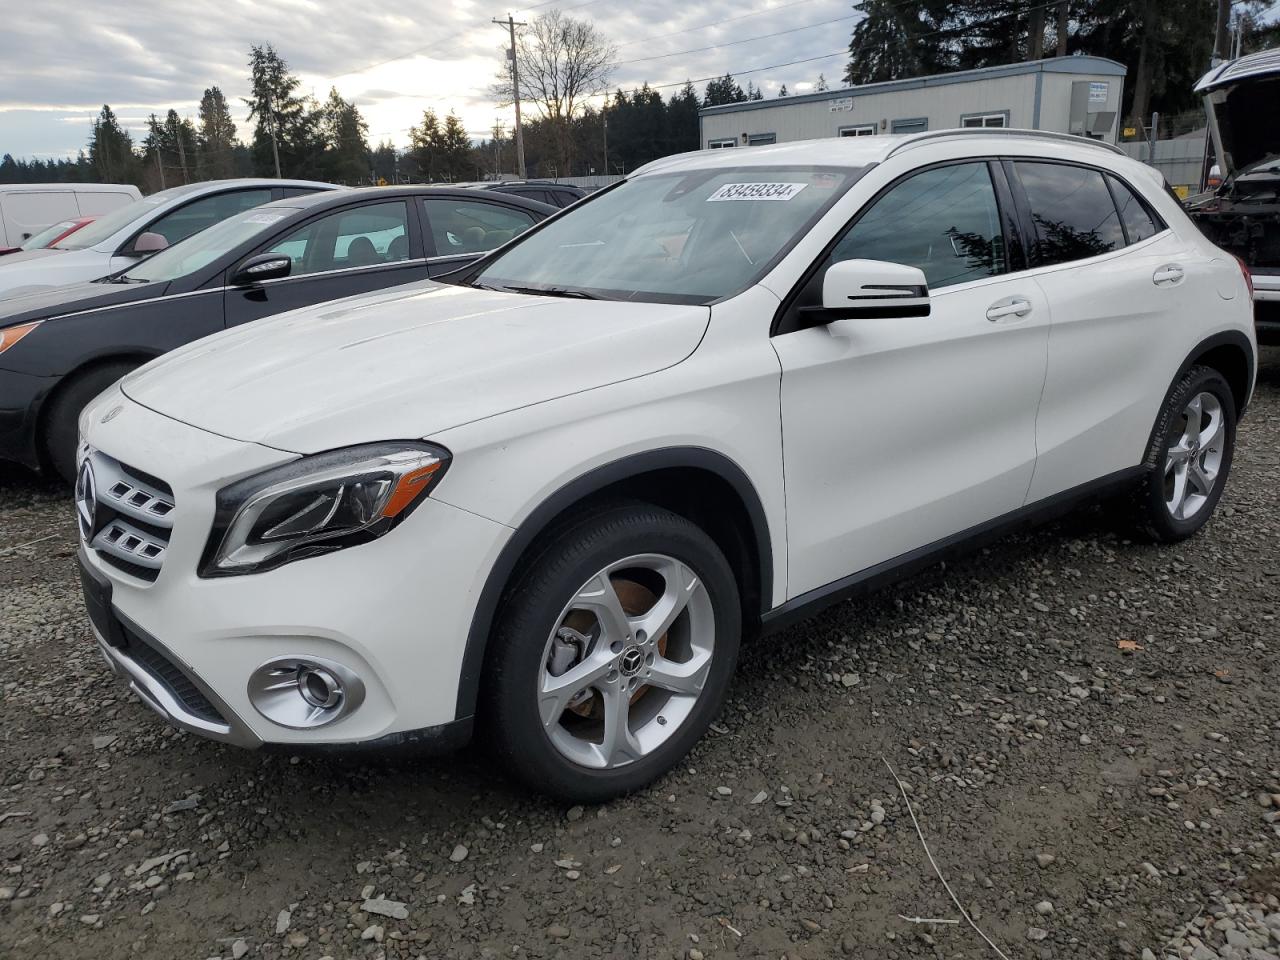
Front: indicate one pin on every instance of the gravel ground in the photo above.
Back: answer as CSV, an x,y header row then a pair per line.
x,y
1088,730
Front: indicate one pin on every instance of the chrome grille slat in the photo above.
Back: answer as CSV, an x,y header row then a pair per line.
x,y
126,518
127,494
122,539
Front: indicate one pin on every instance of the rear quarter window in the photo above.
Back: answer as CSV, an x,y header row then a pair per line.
x,y
1074,214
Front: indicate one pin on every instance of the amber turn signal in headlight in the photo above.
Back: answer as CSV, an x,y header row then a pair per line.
x,y
11,335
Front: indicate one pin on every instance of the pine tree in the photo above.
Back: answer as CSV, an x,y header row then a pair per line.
x,y
346,144
276,107
216,140
723,90
111,150
682,120
782,90
455,149
424,146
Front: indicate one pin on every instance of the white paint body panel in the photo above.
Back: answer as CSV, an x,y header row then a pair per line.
x,y
863,440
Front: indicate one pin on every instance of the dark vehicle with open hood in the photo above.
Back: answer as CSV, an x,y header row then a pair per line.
x,y
1242,214
61,347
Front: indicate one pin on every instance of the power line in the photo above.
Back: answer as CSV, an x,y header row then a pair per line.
x,y
715,23
732,43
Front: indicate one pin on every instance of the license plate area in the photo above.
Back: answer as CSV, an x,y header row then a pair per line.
x,y
97,602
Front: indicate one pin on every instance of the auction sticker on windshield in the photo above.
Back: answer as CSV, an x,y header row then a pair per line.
x,y
757,191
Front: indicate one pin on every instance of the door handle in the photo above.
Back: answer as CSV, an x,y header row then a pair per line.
x,y
1167,275
1014,307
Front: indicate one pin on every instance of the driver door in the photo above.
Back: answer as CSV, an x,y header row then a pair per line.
x,y
900,432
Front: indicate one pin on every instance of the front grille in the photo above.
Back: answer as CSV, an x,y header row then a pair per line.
x,y
167,673
126,515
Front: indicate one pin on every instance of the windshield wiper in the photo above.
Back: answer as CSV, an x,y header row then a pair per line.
x,y
125,278
568,292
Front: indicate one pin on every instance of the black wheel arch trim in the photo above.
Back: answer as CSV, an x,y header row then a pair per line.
x,y
1227,338
575,491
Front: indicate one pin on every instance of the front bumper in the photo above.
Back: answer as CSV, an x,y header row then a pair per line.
x,y
395,612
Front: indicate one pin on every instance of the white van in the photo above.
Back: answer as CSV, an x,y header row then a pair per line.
x,y
27,208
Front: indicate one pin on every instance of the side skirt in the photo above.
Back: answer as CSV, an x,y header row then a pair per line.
x,y
899,568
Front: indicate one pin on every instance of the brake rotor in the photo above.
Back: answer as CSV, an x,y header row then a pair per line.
x,y
636,599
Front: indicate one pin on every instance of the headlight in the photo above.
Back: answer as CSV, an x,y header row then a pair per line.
x,y
319,504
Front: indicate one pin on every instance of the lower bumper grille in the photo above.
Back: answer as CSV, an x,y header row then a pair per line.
x,y
171,677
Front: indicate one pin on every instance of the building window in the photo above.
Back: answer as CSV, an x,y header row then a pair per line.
x,y
1000,119
910,125
761,139
721,144
863,130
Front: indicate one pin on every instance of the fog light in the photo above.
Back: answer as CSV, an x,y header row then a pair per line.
x,y
304,692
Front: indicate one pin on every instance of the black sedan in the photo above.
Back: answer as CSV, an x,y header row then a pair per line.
x,y
60,349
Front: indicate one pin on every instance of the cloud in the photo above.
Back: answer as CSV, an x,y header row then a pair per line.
x,y
394,63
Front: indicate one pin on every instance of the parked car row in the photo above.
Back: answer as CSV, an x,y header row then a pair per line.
x,y
552,492
316,245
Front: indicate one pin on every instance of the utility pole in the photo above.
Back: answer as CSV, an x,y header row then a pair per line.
x,y
275,147
511,25
604,117
1221,42
159,166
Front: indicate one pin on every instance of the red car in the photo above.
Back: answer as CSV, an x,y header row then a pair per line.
x,y
50,235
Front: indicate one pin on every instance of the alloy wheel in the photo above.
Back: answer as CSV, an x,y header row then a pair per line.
x,y
1194,457
626,661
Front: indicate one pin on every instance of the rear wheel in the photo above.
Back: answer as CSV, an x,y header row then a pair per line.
x,y
613,653
64,414
1192,451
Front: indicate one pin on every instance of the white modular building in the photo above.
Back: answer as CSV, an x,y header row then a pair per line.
x,y
1076,94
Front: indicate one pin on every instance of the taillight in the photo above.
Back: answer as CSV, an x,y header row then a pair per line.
x,y
1248,277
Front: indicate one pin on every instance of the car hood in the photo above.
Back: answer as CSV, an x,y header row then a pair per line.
x,y
407,363
1250,144
32,270
43,303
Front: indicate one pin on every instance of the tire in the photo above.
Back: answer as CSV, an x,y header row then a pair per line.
x,y
1186,460
570,747
61,422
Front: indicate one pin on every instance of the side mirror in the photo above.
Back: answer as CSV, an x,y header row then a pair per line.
x,y
265,266
869,289
149,243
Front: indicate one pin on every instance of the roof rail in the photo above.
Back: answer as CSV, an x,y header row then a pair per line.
x,y
1004,132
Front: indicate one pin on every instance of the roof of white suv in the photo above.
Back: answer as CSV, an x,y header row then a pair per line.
x,y
861,151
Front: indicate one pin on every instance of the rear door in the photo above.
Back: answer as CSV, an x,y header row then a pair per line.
x,y
900,432
363,247
1114,277
458,230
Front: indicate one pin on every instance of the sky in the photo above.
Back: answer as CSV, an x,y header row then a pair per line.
x,y
393,60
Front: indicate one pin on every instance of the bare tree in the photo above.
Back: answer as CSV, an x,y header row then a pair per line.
x,y
563,62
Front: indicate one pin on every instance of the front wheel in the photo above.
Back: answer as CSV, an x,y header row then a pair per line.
x,y
1192,448
613,653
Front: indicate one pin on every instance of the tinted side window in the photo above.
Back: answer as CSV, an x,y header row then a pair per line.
x,y
1073,212
1138,221
944,221
472,226
205,212
362,237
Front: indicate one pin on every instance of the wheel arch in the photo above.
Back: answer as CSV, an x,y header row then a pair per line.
x,y
47,403
1232,355
701,484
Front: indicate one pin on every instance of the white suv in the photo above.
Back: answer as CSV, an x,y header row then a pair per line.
x,y
551,496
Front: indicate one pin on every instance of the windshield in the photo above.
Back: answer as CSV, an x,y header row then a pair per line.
x,y
106,225
41,240
687,237
201,249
